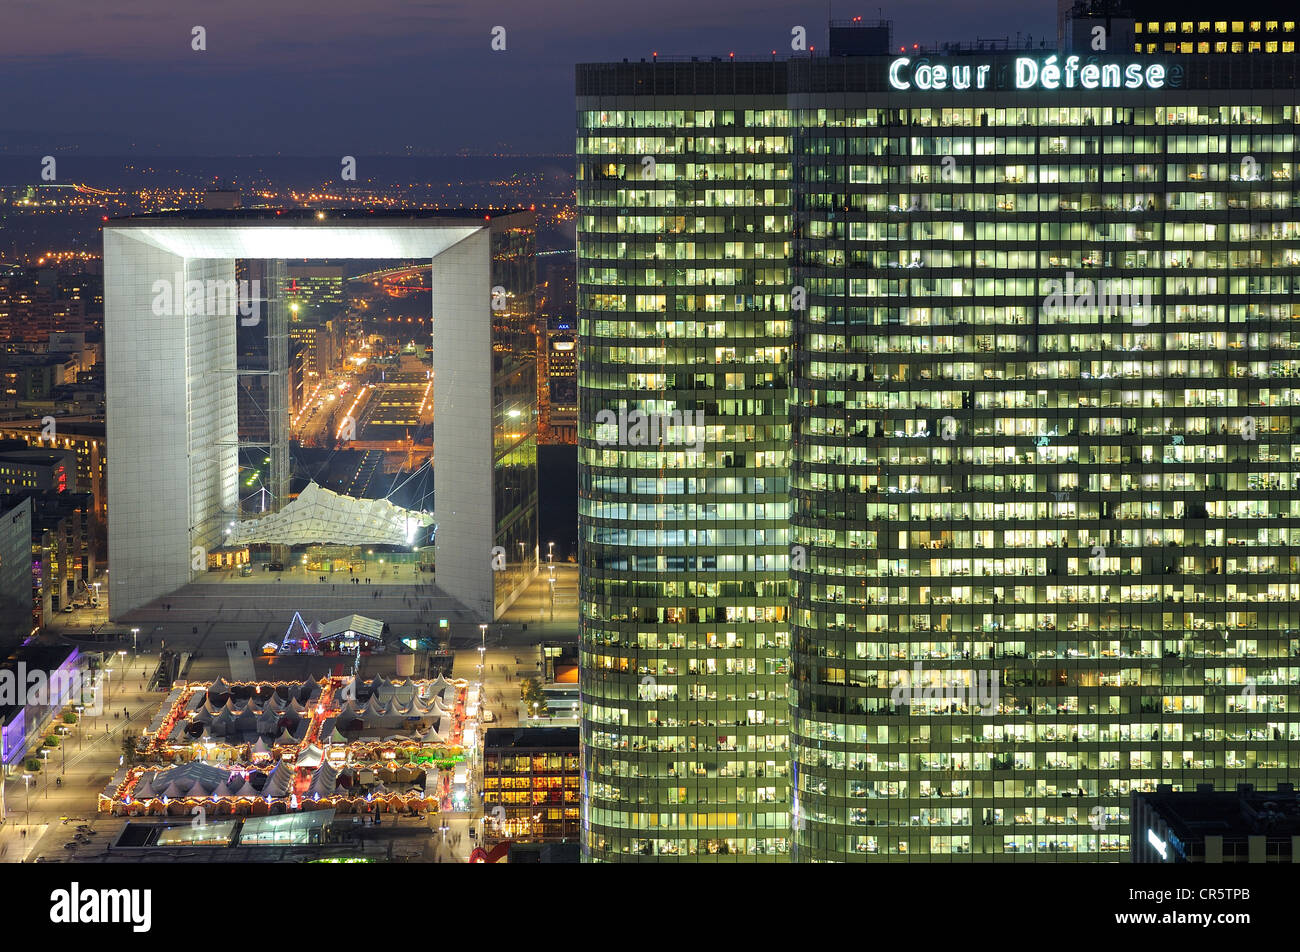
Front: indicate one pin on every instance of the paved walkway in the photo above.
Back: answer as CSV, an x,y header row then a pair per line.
x,y
86,761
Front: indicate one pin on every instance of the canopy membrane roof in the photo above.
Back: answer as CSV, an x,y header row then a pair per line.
x,y
319,516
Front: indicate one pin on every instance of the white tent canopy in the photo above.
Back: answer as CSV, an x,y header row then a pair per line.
x,y
321,516
357,626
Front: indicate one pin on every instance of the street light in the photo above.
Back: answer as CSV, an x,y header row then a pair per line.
x,y
482,652
135,633
27,799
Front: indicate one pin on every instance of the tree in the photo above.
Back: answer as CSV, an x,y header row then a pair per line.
x,y
532,693
128,749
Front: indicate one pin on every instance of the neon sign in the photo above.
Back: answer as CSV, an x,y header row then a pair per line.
x,y
1029,74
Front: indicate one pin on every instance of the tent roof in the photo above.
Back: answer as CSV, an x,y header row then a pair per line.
x,y
369,628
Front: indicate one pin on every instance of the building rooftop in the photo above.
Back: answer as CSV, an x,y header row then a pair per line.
x,y
1228,813
48,509
530,738
15,451
197,216
45,658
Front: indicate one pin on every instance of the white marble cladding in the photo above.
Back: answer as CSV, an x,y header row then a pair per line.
x,y
172,420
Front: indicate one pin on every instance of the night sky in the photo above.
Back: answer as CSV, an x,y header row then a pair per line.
x,y
334,77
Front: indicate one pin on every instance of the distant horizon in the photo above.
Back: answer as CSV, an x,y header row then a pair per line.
x,y
393,78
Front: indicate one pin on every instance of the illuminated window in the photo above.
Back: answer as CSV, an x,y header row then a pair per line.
x,y
1254,26
1288,46
1220,47
1202,47
1270,26
1238,46
1153,27
1288,26
1187,26
1203,26
1151,47
1185,47
1238,26
1137,27
1253,47
1220,26
1270,46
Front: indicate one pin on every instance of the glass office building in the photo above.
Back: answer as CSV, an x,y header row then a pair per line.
x,y
1043,451
514,404
1041,540
683,253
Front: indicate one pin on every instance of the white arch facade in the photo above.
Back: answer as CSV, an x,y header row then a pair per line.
x,y
172,419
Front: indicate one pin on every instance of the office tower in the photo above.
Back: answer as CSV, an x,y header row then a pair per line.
x,y
683,253
562,386
1043,440
1170,28
1040,441
316,289
1175,26
16,621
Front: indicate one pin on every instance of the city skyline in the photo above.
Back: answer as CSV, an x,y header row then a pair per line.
x,y
873,448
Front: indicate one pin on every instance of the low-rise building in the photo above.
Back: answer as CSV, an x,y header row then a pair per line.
x,y
37,469
36,682
533,775
84,436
